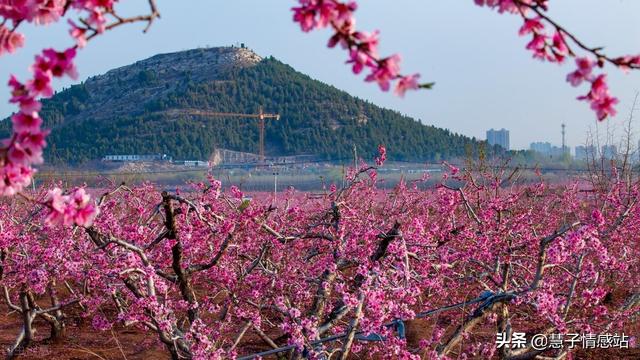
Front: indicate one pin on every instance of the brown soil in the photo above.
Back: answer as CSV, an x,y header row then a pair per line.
x,y
83,342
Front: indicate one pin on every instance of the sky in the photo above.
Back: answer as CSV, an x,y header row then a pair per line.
x,y
484,76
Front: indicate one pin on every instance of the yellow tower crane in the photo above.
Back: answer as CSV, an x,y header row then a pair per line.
x,y
261,116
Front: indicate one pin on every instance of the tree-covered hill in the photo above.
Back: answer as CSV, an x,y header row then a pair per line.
x,y
148,107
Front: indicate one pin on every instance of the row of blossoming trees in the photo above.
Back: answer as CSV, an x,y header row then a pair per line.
x,y
205,271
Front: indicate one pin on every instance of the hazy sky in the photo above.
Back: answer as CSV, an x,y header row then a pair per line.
x,y
484,77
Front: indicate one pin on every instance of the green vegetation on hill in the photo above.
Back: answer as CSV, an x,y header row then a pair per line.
x,y
129,111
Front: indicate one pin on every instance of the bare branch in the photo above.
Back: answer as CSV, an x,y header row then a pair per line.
x,y
346,347
542,252
201,267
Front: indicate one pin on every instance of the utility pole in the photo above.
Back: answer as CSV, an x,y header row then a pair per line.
x,y
275,186
261,128
564,148
355,157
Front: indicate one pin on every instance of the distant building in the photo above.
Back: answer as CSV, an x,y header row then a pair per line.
x,y
227,157
559,152
545,148
196,163
584,153
498,137
131,158
541,147
609,151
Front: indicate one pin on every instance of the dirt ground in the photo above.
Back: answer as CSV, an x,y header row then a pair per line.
x,y
85,343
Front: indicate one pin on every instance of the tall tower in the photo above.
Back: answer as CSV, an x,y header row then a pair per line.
x,y
564,147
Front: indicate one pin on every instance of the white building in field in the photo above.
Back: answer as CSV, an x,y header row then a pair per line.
x,y
132,158
196,163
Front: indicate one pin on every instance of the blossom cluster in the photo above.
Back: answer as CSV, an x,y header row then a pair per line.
x,y
601,100
550,48
549,43
75,208
26,145
362,46
24,149
511,6
44,12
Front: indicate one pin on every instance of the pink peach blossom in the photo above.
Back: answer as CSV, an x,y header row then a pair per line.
x,y
405,83
386,71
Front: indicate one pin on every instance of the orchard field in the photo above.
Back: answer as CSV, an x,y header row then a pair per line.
x,y
402,273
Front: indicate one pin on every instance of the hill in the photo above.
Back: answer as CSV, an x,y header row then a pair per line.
x,y
150,107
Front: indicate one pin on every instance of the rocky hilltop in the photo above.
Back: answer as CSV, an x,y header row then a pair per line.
x,y
121,91
160,105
